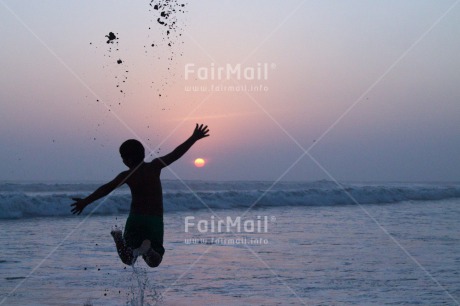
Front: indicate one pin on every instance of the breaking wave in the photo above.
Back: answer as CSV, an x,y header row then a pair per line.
x,y
37,200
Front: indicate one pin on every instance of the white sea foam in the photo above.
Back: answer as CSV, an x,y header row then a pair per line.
x,y
32,200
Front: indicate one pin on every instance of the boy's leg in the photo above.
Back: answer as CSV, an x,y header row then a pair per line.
x,y
152,258
145,246
125,252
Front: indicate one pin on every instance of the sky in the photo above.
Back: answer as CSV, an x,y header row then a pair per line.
x,y
343,90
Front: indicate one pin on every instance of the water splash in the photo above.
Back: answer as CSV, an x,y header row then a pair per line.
x,y
142,292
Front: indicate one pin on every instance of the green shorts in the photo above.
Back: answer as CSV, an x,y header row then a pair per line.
x,y
141,227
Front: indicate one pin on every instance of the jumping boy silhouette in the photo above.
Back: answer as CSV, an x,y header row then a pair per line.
x,y
143,234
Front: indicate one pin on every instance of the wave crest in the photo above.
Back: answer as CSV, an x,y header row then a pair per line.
x,y
19,204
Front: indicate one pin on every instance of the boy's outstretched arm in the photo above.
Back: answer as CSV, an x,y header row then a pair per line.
x,y
102,191
199,132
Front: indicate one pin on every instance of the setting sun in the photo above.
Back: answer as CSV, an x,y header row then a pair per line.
x,y
199,162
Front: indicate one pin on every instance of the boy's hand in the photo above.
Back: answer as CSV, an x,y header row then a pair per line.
x,y
79,205
200,132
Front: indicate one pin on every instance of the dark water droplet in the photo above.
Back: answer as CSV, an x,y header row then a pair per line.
x,y
111,38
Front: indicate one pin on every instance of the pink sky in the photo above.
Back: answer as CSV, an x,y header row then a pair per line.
x,y
374,84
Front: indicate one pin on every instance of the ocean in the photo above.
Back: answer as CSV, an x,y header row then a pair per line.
x,y
237,243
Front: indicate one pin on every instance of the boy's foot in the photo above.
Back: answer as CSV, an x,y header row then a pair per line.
x,y
143,249
117,235
152,258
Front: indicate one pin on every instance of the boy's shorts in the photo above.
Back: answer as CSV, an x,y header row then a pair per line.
x,y
141,227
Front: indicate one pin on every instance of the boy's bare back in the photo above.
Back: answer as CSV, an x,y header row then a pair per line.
x,y
146,191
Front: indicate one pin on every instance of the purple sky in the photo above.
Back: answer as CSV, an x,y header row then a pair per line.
x,y
370,89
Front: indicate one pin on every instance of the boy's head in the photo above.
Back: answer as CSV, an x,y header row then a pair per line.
x,y
132,152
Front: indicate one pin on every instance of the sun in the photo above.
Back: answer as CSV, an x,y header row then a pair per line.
x,y
199,162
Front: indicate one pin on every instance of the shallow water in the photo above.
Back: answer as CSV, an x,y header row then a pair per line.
x,y
328,255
